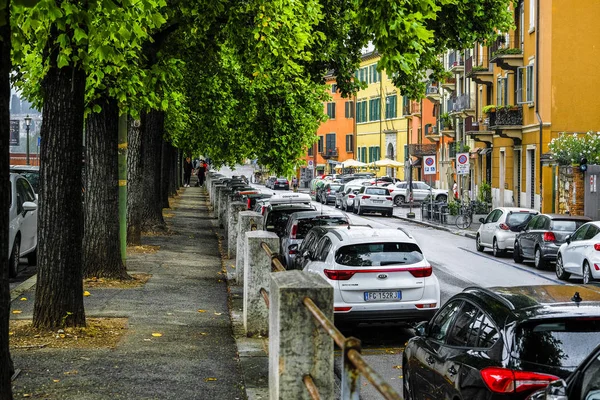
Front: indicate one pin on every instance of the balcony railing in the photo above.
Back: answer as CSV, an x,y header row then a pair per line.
x,y
455,59
509,116
432,89
464,102
451,104
415,108
419,150
330,152
477,64
406,109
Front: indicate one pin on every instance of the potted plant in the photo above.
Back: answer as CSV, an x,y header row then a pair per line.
x,y
446,120
489,108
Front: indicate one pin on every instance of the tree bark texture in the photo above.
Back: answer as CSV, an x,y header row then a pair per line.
x,y
6,364
151,206
59,288
101,246
164,173
134,182
173,172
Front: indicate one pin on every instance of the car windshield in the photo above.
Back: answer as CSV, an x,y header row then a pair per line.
x,y
377,191
566,225
557,343
305,225
378,254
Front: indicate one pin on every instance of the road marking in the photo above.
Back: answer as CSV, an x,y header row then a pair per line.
x,y
512,266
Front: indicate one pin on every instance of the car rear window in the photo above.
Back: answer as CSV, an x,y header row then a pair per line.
x,y
335,187
377,191
565,225
305,225
277,220
378,254
560,343
519,218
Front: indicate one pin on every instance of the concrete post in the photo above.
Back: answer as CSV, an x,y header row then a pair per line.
x,y
235,208
213,192
223,206
256,276
298,345
216,204
247,221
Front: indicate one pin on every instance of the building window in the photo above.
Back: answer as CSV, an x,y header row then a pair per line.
x,y
519,84
362,75
349,143
331,110
405,105
311,150
529,87
320,144
374,76
361,111
502,92
349,109
330,143
333,88
363,156
524,84
391,105
531,14
374,109
374,153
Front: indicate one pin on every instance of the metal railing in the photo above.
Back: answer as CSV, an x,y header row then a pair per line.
x,y
354,364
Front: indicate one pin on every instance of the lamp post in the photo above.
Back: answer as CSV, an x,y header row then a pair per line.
x,y
27,125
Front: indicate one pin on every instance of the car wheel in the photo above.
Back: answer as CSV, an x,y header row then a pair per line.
x,y
32,257
13,266
354,210
441,197
538,261
478,243
359,211
495,250
398,200
560,269
587,273
390,213
517,257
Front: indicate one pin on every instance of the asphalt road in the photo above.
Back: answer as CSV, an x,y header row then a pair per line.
x,y
457,265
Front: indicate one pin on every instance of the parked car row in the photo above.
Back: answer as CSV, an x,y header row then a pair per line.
x,y
22,229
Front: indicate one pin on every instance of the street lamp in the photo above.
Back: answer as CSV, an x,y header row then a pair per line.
x,y
27,125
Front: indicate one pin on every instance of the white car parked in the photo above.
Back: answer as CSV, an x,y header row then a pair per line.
x,y
373,199
376,274
499,228
22,231
580,255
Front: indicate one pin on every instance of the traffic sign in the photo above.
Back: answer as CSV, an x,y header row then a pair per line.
x,y
311,164
462,163
429,165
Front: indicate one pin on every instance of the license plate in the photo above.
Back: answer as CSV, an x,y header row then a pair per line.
x,y
377,201
379,296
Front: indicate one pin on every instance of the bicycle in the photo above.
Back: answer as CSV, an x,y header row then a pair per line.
x,y
465,217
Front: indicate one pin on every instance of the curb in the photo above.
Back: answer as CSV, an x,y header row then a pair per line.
x,y
23,287
468,234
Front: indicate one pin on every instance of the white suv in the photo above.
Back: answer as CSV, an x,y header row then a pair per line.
x,y
377,275
420,191
22,230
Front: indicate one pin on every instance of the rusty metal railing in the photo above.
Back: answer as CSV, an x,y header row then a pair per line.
x,y
354,364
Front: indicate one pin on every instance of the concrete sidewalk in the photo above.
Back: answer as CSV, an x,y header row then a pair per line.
x,y
196,356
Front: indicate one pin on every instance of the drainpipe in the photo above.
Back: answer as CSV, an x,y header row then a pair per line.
x,y
537,91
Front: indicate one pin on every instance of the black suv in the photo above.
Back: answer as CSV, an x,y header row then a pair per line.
x,y
276,216
501,343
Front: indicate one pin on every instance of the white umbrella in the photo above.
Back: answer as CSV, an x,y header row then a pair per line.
x,y
386,162
352,163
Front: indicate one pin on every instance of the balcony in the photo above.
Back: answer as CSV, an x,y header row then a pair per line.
x,y
432,92
449,84
480,74
477,132
448,128
456,62
415,109
330,153
464,105
431,133
507,122
419,150
506,53
406,110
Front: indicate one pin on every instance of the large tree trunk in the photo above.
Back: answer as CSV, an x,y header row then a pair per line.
x,y
101,244
151,207
164,174
173,170
134,182
6,365
59,289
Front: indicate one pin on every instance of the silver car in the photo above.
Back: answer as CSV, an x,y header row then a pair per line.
x,y
300,223
499,229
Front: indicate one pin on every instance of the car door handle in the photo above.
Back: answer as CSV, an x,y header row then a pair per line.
x,y
429,360
452,371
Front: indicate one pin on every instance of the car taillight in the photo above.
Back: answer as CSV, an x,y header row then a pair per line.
x,y
339,275
366,197
328,191
549,237
502,380
388,198
262,210
504,227
421,272
390,190
342,308
597,247
249,204
292,251
294,232
351,196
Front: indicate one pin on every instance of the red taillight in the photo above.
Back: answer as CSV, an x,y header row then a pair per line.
x,y
502,380
549,237
388,198
390,190
328,191
351,196
366,197
293,252
294,232
429,305
420,272
338,275
262,210
504,227
249,204
342,308
597,246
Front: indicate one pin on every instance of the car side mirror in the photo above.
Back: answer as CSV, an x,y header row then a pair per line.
x,y
568,239
421,328
29,206
307,255
293,247
557,390
482,220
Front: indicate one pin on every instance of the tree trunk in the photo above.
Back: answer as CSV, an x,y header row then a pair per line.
x,y
151,207
101,245
134,182
164,173
59,288
173,169
6,364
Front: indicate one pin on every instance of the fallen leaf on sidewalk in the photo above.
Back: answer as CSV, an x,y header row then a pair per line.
x,y
203,333
210,379
397,366
17,311
23,299
156,334
201,310
218,313
55,380
86,293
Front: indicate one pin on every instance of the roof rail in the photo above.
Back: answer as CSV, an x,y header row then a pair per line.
x,y
405,232
366,225
336,233
494,295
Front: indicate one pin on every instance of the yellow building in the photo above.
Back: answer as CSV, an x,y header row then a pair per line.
x,y
380,123
537,82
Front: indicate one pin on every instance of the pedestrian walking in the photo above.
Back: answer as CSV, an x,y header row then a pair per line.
x,y
201,171
295,184
187,172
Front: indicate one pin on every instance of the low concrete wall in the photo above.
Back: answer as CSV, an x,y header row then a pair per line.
x,y
247,221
